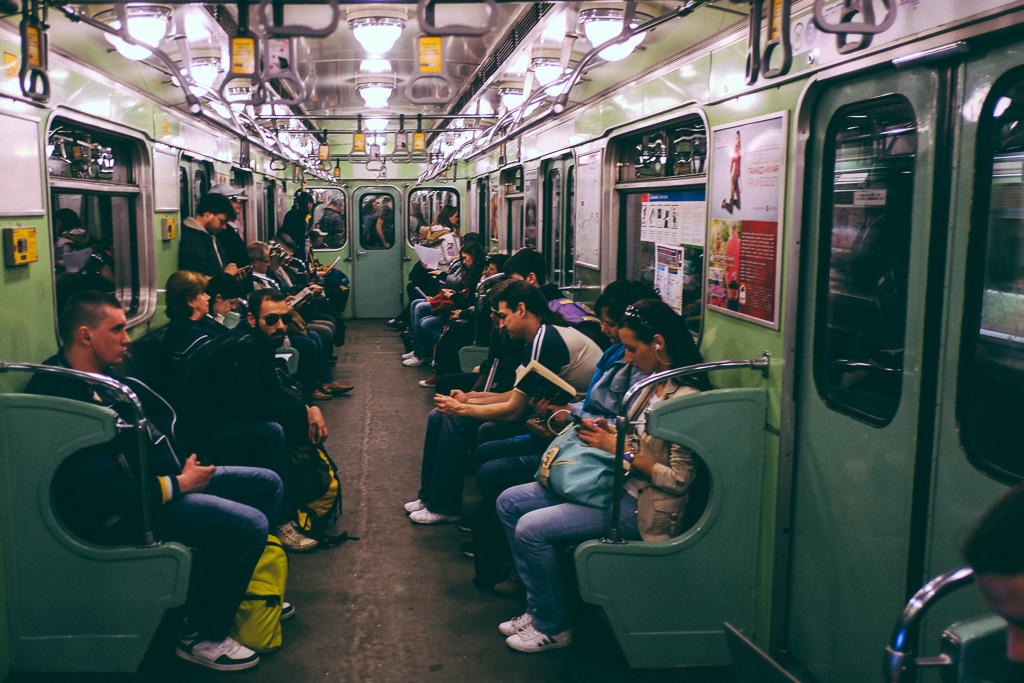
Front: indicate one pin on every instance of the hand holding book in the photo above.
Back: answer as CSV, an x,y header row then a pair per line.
x,y
539,382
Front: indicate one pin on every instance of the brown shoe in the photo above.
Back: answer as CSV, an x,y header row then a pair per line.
x,y
511,587
336,388
318,395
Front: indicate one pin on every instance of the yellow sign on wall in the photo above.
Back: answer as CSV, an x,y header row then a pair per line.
x,y
10,65
430,54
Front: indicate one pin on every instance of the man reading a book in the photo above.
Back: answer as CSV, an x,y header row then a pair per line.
x,y
568,356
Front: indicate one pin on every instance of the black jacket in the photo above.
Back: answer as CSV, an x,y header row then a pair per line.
x,y
196,251
266,392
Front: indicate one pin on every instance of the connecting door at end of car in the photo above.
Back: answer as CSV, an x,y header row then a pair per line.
x,y
376,252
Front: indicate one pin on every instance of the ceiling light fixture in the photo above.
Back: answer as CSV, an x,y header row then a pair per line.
x,y
375,94
146,23
601,24
375,66
377,28
512,96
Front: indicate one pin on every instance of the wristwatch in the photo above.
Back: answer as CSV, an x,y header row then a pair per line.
x,y
628,456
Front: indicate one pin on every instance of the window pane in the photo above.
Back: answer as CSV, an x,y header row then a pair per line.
x,y
377,221
644,156
425,210
95,245
689,147
992,383
866,220
86,154
553,224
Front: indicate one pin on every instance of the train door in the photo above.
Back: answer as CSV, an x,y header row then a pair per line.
x,y
245,221
904,349
558,225
377,264
512,180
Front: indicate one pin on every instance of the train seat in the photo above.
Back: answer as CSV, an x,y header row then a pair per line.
x,y
666,601
72,606
472,356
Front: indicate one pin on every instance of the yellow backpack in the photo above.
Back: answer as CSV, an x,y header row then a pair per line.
x,y
258,621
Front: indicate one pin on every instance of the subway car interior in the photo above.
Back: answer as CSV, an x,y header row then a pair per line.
x,y
828,195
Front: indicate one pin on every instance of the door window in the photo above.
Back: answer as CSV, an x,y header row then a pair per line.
x,y
425,206
376,221
866,223
991,395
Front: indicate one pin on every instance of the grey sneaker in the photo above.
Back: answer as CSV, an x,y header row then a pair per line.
x,y
530,639
294,540
515,625
223,655
425,516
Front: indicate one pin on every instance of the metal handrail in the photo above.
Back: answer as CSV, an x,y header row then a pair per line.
x,y
900,661
140,425
622,420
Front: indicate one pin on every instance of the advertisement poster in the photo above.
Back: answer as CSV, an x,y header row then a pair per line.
x,y
673,217
668,275
746,189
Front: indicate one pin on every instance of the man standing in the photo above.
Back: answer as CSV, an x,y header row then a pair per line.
x,y
198,250
332,222
221,510
231,242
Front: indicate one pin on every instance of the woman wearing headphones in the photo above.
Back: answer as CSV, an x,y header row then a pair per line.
x,y
653,496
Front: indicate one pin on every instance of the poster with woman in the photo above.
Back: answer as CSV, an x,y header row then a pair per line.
x,y
745,193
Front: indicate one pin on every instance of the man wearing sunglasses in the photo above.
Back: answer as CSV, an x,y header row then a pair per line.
x,y
268,393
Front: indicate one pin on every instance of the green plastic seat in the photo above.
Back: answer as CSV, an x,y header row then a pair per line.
x,y
72,606
666,601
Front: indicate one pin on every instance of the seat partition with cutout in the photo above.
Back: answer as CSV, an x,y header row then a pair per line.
x,y
666,601
72,606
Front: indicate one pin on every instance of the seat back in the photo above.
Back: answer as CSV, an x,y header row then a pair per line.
x,y
666,601
72,606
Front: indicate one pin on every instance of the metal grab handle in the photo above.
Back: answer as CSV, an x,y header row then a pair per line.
x,y
140,426
753,64
428,28
783,42
850,8
411,95
298,30
900,663
622,420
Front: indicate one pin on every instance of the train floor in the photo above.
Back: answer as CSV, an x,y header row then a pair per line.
x,y
398,604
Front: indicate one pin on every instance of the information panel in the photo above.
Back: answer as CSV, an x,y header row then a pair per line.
x,y
747,186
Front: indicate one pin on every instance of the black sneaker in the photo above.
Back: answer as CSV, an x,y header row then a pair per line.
x,y
468,549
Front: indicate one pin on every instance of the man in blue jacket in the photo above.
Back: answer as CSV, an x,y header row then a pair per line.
x,y
223,511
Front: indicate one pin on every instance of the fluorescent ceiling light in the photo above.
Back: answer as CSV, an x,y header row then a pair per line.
x,y
146,23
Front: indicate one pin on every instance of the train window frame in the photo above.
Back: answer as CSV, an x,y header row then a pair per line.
x,y
981,407
673,156
410,201
836,397
633,259
131,250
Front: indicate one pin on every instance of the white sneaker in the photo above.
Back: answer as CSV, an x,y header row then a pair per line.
x,y
287,610
294,540
411,354
425,516
224,655
414,362
415,505
515,625
530,639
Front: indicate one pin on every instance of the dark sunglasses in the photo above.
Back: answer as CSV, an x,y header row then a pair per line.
x,y
271,319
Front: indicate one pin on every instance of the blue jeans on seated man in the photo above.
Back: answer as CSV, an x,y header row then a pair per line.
x,y
446,446
227,522
536,521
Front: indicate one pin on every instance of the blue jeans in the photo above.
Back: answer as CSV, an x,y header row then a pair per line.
x,y
314,369
228,523
536,520
254,444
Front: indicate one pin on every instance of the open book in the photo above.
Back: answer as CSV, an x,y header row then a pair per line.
x,y
537,381
302,296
